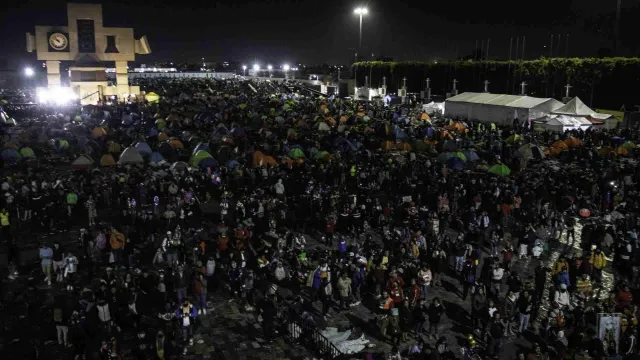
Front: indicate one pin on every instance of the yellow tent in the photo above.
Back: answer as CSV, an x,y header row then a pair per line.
x,y
152,97
99,132
107,160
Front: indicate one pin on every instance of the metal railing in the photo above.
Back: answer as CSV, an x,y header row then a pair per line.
x,y
303,332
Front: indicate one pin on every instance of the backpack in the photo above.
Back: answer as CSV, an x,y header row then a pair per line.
x,y
57,315
471,277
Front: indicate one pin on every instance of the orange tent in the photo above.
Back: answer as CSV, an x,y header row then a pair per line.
x,y
268,160
343,119
107,160
622,151
444,134
560,145
403,146
386,145
457,127
257,157
361,114
163,137
425,117
606,151
572,142
99,132
176,144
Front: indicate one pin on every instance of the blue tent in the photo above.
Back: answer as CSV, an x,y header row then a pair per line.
x,y
153,132
201,146
10,155
238,132
429,132
399,133
156,157
344,145
143,148
232,164
455,163
207,163
471,155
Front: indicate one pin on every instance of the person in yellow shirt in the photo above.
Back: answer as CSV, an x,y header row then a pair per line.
x,y
583,287
598,261
559,265
5,224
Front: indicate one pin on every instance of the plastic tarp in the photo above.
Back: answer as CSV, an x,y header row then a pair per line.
x,y
83,162
130,155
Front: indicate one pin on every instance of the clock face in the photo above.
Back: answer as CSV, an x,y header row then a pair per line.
x,y
58,41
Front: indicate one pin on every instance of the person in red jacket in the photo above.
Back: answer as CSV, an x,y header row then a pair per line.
x,y
396,293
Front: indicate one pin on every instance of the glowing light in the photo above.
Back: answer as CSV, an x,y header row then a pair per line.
x,y
244,67
361,11
285,67
29,72
256,67
269,67
56,95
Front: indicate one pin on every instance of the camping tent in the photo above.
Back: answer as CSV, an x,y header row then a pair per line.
x,y
83,162
130,155
500,109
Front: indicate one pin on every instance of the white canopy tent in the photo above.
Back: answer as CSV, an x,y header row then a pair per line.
x,y
576,108
500,109
562,123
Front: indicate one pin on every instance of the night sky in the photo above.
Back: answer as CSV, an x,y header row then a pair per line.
x,y
327,31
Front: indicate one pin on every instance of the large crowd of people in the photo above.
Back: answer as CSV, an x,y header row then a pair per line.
x,y
221,188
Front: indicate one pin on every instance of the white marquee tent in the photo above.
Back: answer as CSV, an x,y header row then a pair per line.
x,y
562,123
500,109
576,108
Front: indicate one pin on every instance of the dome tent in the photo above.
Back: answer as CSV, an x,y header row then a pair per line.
x,y
107,160
130,155
83,162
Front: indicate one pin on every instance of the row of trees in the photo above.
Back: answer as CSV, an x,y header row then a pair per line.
x,y
606,83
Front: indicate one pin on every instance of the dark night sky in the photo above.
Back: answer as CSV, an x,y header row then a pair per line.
x,y
316,31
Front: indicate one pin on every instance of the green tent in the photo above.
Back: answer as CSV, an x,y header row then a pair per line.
x,y
296,154
320,155
63,144
629,145
459,155
444,157
198,156
161,124
501,170
26,152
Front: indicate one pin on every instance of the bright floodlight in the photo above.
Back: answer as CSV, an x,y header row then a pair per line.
x,y
285,67
361,11
244,67
269,67
29,72
256,67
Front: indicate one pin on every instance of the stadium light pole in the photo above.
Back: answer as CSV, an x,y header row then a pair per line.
x,y
244,70
360,11
256,68
269,67
286,68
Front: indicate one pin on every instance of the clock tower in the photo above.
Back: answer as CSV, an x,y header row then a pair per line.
x,y
88,45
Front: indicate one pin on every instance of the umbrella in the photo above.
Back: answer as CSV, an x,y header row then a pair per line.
x,y
500,169
455,163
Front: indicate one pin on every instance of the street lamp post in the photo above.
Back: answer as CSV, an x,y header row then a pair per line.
x,y
244,70
361,11
269,67
256,68
286,68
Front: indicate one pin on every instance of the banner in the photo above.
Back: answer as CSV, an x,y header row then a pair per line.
x,y
609,329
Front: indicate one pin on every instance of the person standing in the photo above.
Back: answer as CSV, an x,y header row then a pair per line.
x,y
435,312
496,331
524,310
58,261
187,314
46,256
200,289
344,287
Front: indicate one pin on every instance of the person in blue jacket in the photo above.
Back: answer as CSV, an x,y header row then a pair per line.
x,y
186,315
563,278
342,245
357,280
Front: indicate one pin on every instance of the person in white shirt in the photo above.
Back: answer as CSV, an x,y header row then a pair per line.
x,y
70,268
279,187
562,297
496,279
